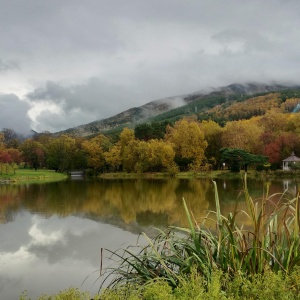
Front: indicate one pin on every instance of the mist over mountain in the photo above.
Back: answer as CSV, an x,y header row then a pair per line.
x,y
155,108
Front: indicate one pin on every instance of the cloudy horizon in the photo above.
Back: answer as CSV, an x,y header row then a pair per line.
x,y
66,63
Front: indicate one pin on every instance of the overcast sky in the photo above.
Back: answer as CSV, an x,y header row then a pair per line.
x,y
68,62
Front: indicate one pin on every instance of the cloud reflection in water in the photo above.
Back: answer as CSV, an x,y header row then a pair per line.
x,y
47,255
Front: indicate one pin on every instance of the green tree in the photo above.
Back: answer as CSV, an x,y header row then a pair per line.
x,y
239,158
143,131
148,131
64,154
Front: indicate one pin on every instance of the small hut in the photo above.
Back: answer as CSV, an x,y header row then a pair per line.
x,y
286,163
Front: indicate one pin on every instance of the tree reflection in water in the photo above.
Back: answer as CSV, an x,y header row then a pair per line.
x,y
150,202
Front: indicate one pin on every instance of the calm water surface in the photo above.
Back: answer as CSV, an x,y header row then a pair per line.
x,y
52,234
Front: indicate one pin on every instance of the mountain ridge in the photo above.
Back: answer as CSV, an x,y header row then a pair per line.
x,y
155,108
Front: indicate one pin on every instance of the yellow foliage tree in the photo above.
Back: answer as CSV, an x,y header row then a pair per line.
x,y
212,133
160,155
244,134
128,149
274,121
113,157
2,145
188,141
94,149
293,123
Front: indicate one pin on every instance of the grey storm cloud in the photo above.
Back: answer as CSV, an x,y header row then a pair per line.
x,y
13,114
92,96
8,65
94,59
80,103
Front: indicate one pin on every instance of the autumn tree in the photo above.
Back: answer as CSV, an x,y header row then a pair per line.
x,y
11,138
188,142
33,153
273,151
161,155
139,155
274,121
243,134
213,135
281,144
15,155
2,145
128,149
293,123
94,150
113,157
9,157
154,155
5,160
289,105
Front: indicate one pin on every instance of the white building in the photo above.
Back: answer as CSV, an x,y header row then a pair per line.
x,y
286,163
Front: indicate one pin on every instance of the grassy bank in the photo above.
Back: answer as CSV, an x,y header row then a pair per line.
x,y
25,175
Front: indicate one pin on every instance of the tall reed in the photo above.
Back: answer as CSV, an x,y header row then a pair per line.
x,y
271,243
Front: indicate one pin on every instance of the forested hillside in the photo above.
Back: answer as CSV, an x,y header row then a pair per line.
x,y
174,108
285,101
235,131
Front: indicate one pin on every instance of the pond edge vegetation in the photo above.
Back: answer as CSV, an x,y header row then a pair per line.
x,y
228,253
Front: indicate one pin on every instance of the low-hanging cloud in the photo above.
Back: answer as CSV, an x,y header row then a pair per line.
x,y
13,114
78,104
90,96
57,121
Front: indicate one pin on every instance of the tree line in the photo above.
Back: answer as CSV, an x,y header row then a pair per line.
x,y
187,144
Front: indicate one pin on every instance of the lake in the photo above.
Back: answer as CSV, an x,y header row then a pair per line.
x,y
52,233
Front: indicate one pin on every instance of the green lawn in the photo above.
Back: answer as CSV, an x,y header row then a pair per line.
x,y
24,175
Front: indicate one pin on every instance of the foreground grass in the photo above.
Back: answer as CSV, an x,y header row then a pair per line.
x,y
194,287
25,175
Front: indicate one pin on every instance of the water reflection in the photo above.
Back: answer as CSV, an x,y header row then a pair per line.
x,y
51,234
48,255
146,202
128,200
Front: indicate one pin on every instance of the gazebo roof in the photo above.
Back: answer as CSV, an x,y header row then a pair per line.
x,y
292,158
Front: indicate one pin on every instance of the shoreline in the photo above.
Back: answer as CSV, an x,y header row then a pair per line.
x,y
218,174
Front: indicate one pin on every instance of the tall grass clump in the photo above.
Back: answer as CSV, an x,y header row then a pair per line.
x,y
269,243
